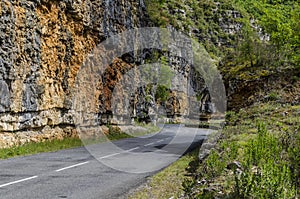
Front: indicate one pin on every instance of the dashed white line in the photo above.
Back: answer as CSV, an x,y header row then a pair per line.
x,y
72,166
107,156
132,149
114,154
18,181
149,144
79,164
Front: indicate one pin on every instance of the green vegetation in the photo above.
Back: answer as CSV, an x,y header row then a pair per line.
x,y
164,81
280,19
161,77
192,15
167,183
116,134
69,142
162,93
258,153
165,74
257,156
254,159
151,128
33,148
243,55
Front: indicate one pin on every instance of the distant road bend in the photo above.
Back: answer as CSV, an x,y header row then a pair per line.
x,y
97,171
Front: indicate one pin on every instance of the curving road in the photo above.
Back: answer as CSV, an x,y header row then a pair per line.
x,y
97,171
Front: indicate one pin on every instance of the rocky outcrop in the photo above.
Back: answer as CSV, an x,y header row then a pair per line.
x,y
43,44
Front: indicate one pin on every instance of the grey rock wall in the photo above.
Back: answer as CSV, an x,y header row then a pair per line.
x,y
42,46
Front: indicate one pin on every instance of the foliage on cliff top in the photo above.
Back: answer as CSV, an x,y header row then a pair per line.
x,y
244,53
280,21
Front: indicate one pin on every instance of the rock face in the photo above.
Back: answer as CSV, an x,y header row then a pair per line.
x,y
43,44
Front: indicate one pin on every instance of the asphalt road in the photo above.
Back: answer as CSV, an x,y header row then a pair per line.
x,y
107,170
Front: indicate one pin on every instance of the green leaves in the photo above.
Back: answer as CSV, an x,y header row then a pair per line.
x,y
162,93
164,82
267,174
280,20
166,75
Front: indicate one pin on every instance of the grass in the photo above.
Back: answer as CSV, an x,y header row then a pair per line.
x,y
150,128
265,153
34,148
116,134
257,156
67,143
168,182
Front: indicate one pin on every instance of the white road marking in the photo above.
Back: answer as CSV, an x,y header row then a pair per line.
x,y
111,155
149,144
132,149
72,166
18,181
107,156
80,164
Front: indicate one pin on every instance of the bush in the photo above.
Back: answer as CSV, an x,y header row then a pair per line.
x,y
266,173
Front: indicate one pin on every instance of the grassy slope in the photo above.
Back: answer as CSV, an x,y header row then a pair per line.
x,y
242,56
265,140
262,139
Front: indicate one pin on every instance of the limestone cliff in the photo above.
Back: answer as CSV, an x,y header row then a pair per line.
x,y
43,44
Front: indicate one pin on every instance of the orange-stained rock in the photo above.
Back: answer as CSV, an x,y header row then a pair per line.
x,y
43,46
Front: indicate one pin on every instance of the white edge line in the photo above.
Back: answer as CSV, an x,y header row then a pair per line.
x,y
72,166
18,181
